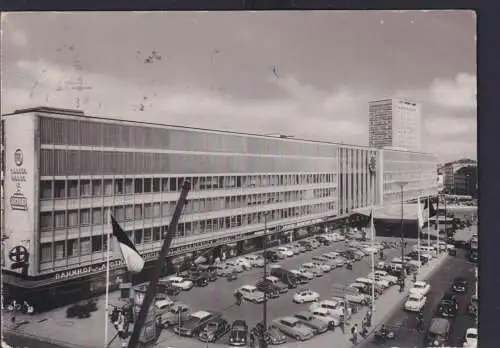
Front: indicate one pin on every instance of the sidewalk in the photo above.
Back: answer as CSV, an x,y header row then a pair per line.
x,y
75,333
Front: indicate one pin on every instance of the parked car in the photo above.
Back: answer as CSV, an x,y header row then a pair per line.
x,y
256,260
323,240
194,323
275,336
223,270
177,313
270,255
305,295
324,260
268,288
214,329
284,275
314,243
379,274
234,265
197,278
311,268
438,333
365,289
325,315
471,338
304,273
164,303
308,319
421,287
180,282
306,244
333,307
244,263
300,247
380,284
285,251
166,287
282,287
208,271
78,310
251,293
325,267
460,285
238,334
294,249
355,296
291,326
415,302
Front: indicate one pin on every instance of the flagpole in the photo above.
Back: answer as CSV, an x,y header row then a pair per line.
x,y
428,221
372,169
106,306
419,230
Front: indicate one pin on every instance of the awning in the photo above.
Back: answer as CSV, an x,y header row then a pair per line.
x,y
391,212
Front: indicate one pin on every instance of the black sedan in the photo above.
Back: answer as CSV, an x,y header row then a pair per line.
x,y
239,333
473,256
214,330
448,306
460,285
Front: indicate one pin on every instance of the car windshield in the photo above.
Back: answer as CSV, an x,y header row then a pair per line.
x,y
472,335
211,326
419,286
414,298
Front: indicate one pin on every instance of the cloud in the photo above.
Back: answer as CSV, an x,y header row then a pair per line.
x,y
459,93
450,126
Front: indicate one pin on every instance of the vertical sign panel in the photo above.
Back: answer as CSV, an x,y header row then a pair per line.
x,y
19,184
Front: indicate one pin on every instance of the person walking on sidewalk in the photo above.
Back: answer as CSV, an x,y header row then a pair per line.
x,y
369,318
354,332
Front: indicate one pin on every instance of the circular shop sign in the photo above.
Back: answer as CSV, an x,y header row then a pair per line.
x,y
18,157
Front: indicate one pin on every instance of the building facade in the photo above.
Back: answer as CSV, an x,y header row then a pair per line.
x,y
66,172
395,123
460,177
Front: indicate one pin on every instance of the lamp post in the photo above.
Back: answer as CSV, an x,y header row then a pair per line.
x,y
264,307
402,184
372,166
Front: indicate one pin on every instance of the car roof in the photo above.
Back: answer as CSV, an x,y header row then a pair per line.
x,y
290,319
420,283
471,330
328,302
321,310
201,314
249,287
175,278
439,325
272,278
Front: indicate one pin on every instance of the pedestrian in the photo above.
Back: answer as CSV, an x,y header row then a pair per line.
x,y
369,318
342,325
252,340
354,332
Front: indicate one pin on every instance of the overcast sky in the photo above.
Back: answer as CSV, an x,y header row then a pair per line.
x,y
306,74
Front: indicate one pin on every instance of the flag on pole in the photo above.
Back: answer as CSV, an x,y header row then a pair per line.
x,y
132,258
420,215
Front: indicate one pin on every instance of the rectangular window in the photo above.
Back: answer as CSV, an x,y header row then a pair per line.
x,y
60,189
72,188
129,186
156,233
96,188
72,218
72,247
165,209
156,185
119,187
97,216
147,185
129,212
138,186
46,221
84,216
156,209
148,211
147,235
46,252
59,252
173,184
96,244
60,219
108,187
120,213
85,246
164,185
138,236
138,212
46,190
85,188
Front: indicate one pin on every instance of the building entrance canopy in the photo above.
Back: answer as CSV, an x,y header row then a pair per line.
x,y
392,212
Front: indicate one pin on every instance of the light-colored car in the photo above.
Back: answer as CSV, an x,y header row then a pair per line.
x,y
331,255
299,247
243,262
306,295
255,260
164,303
310,267
355,296
308,319
175,314
322,259
292,326
285,251
415,302
333,307
380,282
294,248
324,315
471,338
377,275
283,288
303,272
421,287
234,265
325,267
314,243
223,270
341,302
251,293
180,282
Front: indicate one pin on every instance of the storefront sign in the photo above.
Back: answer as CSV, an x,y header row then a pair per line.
x,y
18,201
76,272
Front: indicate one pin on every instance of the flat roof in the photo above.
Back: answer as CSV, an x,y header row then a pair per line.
x,y
80,113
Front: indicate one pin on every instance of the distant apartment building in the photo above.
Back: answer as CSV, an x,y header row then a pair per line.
x,y
395,123
460,177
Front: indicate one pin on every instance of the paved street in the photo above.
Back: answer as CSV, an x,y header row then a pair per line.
x,y
406,323
217,296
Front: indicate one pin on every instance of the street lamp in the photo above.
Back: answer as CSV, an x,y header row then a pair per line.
x,y
402,184
264,307
372,166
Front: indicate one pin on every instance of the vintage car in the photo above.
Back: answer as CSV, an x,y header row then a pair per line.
x,y
305,295
213,330
308,319
238,335
193,324
293,327
173,316
256,260
310,267
421,287
325,315
181,283
415,302
251,293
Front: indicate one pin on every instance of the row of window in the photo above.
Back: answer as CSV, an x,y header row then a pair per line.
x,y
91,162
98,216
119,186
96,244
